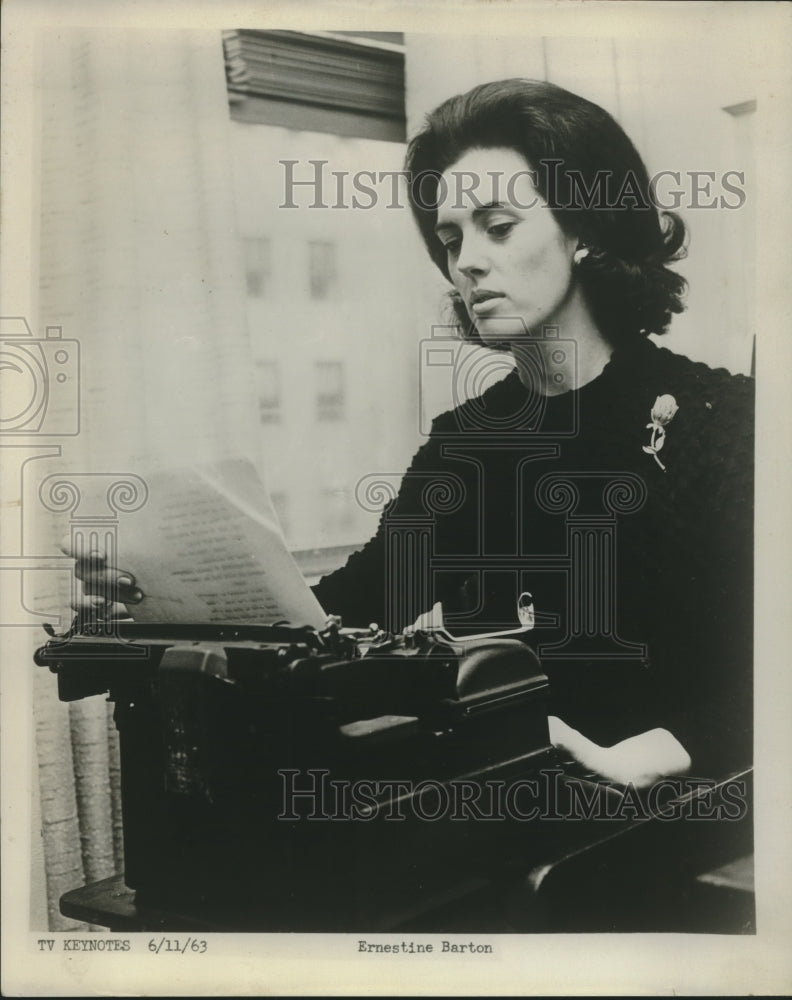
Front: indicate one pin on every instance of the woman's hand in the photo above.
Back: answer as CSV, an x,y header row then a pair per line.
x,y
106,589
640,760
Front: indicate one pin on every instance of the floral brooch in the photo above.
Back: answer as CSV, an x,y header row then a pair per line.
x,y
662,413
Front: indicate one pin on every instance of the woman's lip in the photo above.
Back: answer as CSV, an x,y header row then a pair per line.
x,y
487,305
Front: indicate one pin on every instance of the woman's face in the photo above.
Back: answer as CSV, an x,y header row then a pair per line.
x,y
507,256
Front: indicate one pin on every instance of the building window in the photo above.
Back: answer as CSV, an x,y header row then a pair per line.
x,y
258,266
346,82
269,391
322,273
330,402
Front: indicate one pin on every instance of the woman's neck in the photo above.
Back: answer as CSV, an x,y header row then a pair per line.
x,y
567,355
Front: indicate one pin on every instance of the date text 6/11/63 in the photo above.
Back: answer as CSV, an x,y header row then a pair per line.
x,y
190,945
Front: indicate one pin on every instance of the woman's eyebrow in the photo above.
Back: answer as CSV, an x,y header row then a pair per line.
x,y
490,206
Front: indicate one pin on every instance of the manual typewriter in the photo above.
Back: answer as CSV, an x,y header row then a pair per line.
x,y
293,778
280,779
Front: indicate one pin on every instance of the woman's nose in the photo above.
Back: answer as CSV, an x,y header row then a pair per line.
x,y
473,259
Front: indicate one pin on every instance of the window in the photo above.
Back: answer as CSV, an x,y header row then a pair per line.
x,y
330,401
347,83
258,266
320,281
321,268
269,392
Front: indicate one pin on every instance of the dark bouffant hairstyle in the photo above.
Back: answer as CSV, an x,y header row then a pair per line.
x,y
591,176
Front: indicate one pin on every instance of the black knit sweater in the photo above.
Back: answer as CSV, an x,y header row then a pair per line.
x,y
642,577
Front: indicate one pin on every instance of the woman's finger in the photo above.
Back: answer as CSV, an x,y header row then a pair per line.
x,y
80,549
91,606
100,609
106,576
93,562
114,586
118,612
77,548
562,735
109,583
578,746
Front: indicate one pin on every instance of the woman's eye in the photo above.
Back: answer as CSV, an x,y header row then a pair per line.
x,y
452,247
501,229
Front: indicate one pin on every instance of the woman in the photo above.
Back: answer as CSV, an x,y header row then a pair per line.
x,y
608,477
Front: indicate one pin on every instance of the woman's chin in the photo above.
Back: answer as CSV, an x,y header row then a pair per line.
x,y
500,332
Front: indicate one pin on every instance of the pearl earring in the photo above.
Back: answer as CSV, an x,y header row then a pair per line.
x,y
580,254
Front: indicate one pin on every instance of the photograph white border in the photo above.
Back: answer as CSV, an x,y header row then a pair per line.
x,y
522,965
